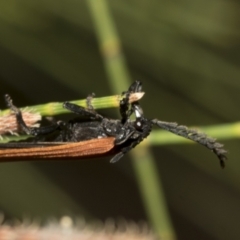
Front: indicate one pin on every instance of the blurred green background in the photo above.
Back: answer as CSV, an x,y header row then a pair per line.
x,y
186,53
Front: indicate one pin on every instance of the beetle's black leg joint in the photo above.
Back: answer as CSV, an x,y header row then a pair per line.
x,y
136,138
28,130
124,107
82,111
18,115
125,111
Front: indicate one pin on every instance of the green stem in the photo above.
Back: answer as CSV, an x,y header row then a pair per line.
x,y
56,108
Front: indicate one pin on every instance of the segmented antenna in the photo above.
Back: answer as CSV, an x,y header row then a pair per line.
x,y
195,136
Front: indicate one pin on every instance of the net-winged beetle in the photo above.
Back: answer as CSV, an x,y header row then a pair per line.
x,y
98,136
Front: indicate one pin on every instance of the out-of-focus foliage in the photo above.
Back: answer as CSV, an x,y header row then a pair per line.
x,y
187,55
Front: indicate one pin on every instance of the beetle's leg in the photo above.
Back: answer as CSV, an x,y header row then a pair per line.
x,y
124,103
35,131
139,130
124,150
82,111
89,101
117,157
91,108
134,87
195,136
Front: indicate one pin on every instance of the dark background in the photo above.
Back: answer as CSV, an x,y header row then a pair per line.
x,y
186,53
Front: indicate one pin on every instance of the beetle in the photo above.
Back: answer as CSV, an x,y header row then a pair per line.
x,y
97,136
